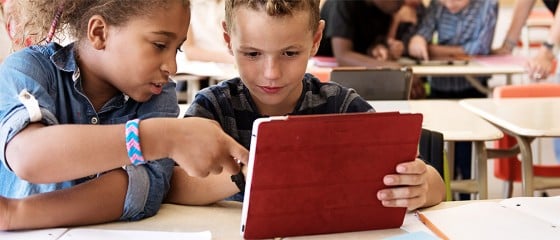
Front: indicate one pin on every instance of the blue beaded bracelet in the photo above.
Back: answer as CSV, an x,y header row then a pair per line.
x,y
133,142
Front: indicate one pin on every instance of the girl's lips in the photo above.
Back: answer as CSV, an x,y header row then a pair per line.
x,y
156,88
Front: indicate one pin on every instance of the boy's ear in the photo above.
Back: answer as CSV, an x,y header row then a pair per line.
x,y
317,37
227,37
97,32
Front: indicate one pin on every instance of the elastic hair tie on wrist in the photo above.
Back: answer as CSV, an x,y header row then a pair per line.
x,y
133,142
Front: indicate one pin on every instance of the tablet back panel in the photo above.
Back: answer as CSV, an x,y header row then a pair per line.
x,y
320,173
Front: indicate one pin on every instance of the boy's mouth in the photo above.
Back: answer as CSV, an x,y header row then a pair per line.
x,y
271,89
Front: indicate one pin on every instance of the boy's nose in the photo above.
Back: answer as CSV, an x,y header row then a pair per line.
x,y
272,69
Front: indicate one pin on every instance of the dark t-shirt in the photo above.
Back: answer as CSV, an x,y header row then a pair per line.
x,y
551,5
360,21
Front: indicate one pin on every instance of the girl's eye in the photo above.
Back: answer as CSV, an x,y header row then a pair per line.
x,y
291,53
159,46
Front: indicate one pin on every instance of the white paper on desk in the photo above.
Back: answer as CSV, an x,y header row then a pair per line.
x,y
490,220
95,234
43,234
545,208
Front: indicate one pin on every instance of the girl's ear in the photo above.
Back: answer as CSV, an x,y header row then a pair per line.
x,y
97,32
227,37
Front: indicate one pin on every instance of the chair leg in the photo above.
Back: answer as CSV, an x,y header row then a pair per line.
x,y
508,189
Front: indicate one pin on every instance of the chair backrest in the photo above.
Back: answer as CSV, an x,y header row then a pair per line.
x,y
376,83
528,90
431,149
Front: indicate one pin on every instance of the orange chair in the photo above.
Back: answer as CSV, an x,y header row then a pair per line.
x,y
509,169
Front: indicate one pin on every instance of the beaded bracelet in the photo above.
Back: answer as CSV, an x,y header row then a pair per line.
x,y
133,142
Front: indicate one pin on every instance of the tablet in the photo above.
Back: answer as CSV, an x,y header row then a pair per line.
x,y
318,174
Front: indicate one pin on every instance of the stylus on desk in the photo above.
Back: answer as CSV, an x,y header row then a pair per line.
x,y
431,226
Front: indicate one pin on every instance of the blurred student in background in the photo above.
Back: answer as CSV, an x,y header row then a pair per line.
x,y
464,27
539,66
205,41
356,32
406,21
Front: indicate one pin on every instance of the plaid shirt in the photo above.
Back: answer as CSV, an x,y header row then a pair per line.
x,y
230,104
472,28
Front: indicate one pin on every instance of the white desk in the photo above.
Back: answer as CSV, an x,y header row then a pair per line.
x,y
525,119
223,221
456,124
507,65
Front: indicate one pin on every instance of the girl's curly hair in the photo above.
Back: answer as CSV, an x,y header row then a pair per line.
x,y
37,16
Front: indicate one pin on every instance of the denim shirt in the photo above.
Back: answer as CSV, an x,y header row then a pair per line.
x,y
51,75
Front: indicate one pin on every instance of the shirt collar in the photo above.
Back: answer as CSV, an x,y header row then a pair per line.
x,y
65,60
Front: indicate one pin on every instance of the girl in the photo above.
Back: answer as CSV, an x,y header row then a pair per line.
x,y
64,108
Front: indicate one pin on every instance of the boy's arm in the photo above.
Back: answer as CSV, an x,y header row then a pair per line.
x,y
189,190
418,44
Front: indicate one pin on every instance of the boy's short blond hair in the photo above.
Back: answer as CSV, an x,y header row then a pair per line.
x,y
275,8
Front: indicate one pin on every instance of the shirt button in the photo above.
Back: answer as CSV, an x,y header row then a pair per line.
x,y
94,120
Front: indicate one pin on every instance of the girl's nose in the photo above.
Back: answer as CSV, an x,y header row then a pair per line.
x,y
169,66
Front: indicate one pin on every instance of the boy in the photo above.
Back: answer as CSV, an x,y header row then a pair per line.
x,y
271,42
464,27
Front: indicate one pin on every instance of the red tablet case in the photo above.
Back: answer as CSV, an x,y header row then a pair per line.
x,y
319,174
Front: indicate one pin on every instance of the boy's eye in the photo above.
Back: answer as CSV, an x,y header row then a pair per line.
x,y
291,53
251,54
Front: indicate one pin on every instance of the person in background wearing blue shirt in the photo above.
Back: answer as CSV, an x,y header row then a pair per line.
x,y
464,27
271,42
63,111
